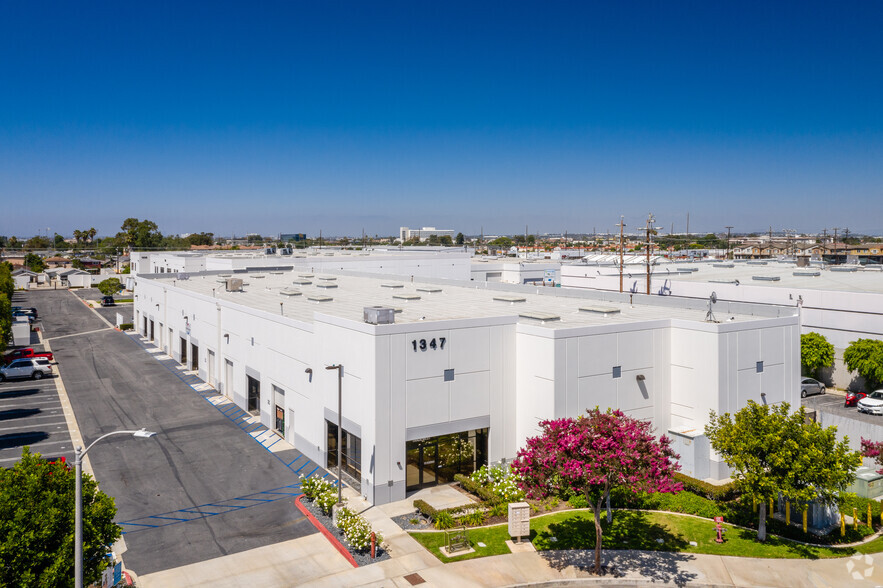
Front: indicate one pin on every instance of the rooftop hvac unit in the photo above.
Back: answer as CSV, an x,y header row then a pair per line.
x,y
379,315
234,284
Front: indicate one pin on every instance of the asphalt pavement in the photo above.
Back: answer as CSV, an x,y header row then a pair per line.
x,y
834,404
202,487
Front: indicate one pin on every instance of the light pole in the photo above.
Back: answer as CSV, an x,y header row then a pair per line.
x,y
339,369
78,497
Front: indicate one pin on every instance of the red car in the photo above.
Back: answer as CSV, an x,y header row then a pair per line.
x,y
25,353
852,398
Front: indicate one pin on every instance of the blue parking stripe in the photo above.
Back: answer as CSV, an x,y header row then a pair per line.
x,y
295,459
169,518
272,444
305,464
311,473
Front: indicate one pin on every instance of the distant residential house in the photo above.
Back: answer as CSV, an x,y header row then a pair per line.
x,y
57,262
23,278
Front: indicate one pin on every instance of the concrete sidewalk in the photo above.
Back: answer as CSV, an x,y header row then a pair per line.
x,y
312,561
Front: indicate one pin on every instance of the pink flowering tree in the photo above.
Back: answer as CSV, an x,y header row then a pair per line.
x,y
591,455
873,449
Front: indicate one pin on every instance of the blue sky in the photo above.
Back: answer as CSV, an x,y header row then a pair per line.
x,y
294,117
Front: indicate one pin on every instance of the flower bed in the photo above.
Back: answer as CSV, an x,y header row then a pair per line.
x,y
353,531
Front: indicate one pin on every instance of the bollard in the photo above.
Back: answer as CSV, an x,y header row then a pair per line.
x,y
373,543
842,524
804,519
787,513
855,519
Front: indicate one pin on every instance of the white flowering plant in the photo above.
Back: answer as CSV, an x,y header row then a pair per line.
x,y
356,529
314,486
500,480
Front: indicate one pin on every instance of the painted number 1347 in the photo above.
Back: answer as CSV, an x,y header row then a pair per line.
x,y
433,344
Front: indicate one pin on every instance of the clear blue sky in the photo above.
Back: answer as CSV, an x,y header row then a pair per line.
x,y
298,116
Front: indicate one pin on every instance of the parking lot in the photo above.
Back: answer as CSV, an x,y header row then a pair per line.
x,y
202,487
108,312
833,403
31,414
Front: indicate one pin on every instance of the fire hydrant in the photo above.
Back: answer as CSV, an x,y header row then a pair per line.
x,y
719,528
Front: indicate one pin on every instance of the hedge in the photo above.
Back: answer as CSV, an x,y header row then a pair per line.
x,y
724,493
126,326
486,494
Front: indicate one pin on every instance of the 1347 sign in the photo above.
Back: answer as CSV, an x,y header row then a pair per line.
x,y
428,344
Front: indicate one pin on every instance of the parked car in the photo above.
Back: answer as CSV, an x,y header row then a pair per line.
x,y
108,301
852,398
808,386
872,403
24,353
32,367
25,313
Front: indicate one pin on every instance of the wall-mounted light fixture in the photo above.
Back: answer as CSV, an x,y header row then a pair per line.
x,y
309,372
640,377
157,306
227,337
763,397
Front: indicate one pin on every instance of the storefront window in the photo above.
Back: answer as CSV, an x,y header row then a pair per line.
x,y
436,460
351,457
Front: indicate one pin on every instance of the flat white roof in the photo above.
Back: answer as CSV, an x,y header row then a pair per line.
x,y
422,301
861,280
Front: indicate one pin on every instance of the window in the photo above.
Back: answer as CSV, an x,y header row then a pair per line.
x,y
351,456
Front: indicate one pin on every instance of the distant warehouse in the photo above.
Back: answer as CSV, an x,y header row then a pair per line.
x,y
443,376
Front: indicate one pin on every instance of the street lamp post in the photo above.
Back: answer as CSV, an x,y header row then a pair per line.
x,y
339,369
78,497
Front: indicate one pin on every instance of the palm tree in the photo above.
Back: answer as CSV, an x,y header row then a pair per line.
x,y
78,235
91,232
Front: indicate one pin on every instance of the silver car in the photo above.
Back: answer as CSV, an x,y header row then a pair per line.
x,y
808,387
30,367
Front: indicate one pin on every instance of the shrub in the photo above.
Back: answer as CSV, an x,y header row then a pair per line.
x,y
356,529
473,519
326,500
314,486
443,520
126,326
495,483
865,356
501,509
815,353
725,492
425,509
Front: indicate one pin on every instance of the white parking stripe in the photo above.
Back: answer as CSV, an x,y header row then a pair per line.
x,y
32,426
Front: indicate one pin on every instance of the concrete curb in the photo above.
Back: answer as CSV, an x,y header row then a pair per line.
x,y
321,528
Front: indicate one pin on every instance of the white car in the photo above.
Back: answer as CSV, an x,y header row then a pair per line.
x,y
872,403
30,367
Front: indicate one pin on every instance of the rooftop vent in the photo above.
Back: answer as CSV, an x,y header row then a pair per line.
x,y
602,310
756,263
429,290
540,316
392,285
326,286
234,284
277,273
406,296
319,298
379,315
510,299
301,282
811,274
766,278
183,276
257,276
305,275
290,292
841,268
327,278
723,265
724,282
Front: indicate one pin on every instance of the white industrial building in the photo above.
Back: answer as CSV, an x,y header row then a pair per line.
x,y
436,262
843,303
406,234
465,371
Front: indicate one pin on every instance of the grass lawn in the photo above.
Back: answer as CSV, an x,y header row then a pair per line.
x,y
638,530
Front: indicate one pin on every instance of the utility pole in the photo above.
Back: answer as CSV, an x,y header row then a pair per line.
x,y
728,228
650,221
621,225
824,243
688,223
835,229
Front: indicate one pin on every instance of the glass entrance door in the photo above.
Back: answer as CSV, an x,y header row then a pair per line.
x,y
422,464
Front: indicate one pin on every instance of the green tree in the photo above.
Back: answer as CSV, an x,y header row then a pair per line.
x,y
7,284
110,286
460,240
139,234
445,240
865,357
772,451
201,239
38,242
37,524
5,320
59,242
34,263
504,242
815,353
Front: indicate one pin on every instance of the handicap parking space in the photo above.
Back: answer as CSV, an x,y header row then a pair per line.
x,y
31,415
